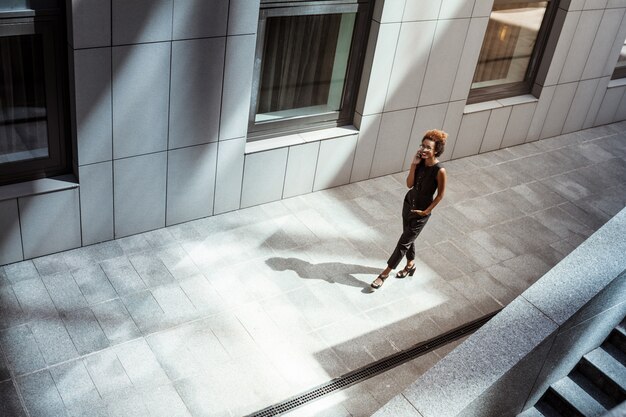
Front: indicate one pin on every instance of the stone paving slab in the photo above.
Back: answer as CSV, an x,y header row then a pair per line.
x,y
226,315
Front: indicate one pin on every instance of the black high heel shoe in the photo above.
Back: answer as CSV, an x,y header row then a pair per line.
x,y
382,279
406,272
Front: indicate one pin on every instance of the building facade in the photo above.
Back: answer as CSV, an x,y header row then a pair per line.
x,y
175,110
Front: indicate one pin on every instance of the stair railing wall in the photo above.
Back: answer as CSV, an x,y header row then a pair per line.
x,y
507,365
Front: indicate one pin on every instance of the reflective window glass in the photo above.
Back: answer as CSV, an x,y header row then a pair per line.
x,y
23,113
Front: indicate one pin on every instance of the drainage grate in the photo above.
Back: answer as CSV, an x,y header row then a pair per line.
x,y
373,369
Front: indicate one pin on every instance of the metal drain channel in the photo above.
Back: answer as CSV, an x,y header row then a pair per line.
x,y
373,369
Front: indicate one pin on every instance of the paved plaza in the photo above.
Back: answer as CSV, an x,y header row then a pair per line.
x,y
229,314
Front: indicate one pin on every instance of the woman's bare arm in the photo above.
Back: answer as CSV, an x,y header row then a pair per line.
x,y
411,177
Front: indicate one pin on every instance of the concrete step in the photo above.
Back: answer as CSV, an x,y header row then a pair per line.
x,y
552,401
619,411
606,372
546,410
618,337
541,409
615,351
531,412
580,401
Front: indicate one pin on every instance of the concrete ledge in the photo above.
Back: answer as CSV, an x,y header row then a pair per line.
x,y
618,82
300,138
582,275
35,187
482,360
506,365
496,104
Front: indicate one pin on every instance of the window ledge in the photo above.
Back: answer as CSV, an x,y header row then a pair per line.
x,y
300,138
496,104
42,186
618,82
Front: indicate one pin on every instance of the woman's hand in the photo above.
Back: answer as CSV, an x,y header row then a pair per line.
x,y
422,213
417,158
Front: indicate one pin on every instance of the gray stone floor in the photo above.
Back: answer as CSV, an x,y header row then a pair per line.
x,y
226,315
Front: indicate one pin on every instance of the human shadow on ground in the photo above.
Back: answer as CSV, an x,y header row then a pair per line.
x,y
332,272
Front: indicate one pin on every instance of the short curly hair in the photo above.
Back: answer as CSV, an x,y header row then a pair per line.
x,y
439,137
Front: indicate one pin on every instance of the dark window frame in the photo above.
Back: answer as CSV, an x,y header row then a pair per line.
x,y
50,24
619,72
276,8
482,94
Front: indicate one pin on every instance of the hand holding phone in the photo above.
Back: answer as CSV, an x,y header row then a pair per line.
x,y
417,157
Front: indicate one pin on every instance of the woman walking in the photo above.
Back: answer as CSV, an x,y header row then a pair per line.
x,y
425,177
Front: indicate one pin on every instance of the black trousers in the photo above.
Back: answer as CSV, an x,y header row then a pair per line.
x,y
411,228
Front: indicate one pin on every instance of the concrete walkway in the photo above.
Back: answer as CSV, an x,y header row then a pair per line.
x,y
227,315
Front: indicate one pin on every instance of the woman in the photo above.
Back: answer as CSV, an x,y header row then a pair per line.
x,y
425,177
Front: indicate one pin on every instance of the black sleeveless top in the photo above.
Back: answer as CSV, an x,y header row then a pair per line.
x,y
424,186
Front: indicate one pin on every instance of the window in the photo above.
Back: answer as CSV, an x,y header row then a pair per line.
x,y
308,61
512,49
32,99
620,67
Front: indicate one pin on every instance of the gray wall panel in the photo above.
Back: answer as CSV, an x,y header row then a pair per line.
x,y
608,108
471,134
366,73
469,58
393,139
196,91
602,45
139,193
10,238
141,80
494,133
447,47
50,222
596,102
94,123
237,86
191,183
580,105
518,125
576,4
618,43
539,117
199,18
263,177
389,11
334,162
91,23
557,47
96,202
482,8
421,10
409,65
581,45
136,21
559,108
455,9
451,124
595,4
373,93
243,16
366,144
230,157
300,174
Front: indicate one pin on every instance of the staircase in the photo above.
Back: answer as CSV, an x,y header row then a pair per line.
x,y
596,385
